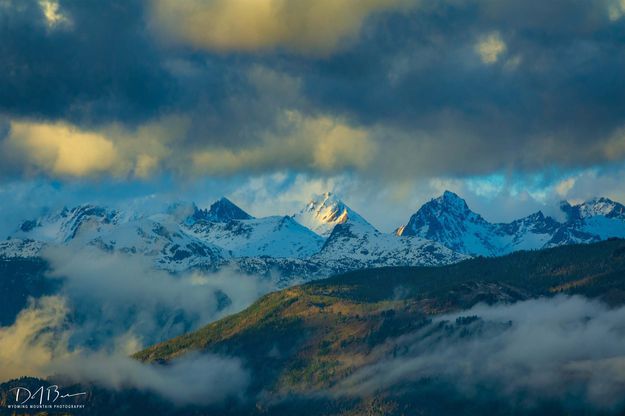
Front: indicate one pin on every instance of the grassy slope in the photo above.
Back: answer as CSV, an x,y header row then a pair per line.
x,y
310,337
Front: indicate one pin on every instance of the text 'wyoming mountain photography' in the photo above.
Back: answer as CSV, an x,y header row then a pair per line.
x,y
312,207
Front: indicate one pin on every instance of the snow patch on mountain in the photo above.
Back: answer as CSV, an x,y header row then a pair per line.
x,y
271,236
354,245
18,248
222,210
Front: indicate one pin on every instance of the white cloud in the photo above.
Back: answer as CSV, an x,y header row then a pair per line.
x,y
490,47
282,194
38,336
38,344
112,305
150,304
549,348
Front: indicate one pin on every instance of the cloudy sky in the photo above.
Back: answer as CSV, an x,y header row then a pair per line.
x,y
514,105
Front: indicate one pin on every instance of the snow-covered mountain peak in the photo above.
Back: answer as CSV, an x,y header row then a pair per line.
x,y
597,207
325,211
525,233
452,197
67,224
448,214
538,215
536,218
449,221
451,203
597,218
223,210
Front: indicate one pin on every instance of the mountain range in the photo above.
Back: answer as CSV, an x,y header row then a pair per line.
x,y
323,238
449,221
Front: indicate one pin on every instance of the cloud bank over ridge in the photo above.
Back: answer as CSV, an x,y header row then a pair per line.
x,y
111,306
552,348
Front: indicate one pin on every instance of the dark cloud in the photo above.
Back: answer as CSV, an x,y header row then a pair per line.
x,y
97,64
553,97
456,88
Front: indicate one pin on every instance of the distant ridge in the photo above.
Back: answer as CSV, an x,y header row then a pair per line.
x,y
325,237
449,221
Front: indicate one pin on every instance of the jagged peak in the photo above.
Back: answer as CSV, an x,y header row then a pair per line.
x,y
448,202
317,202
447,194
89,208
64,214
81,212
538,215
224,210
597,206
535,221
449,206
323,212
600,203
600,200
535,217
452,199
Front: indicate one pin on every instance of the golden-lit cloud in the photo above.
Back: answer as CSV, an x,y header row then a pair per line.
x,y
308,143
28,346
316,27
65,150
616,9
62,149
613,149
299,142
52,13
490,47
563,187
146,147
